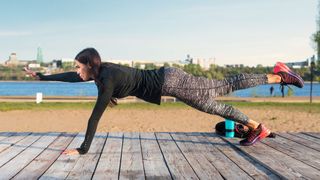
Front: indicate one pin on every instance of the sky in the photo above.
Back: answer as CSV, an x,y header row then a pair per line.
x,y
246,32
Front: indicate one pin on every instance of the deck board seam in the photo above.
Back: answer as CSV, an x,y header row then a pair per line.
x,y
310,135
74,135
256,160
74,164
119,171
9,135
144,171
304,138
232,146
37,155
184,155
98,160
208,141
165,161
234,161
299,142
11,144
20,151
318,169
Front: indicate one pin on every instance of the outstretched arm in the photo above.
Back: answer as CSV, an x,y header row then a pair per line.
x,y
65,77
103,100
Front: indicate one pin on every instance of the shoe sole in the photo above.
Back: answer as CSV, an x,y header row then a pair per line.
x,y
298,77
261,136
286,69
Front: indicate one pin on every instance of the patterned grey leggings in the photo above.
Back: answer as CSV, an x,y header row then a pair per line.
x,y
199,92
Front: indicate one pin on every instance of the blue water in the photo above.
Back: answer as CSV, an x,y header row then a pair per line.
x,y
89,89
47,88
264,91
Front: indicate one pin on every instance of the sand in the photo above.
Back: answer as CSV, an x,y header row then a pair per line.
x,y
157,120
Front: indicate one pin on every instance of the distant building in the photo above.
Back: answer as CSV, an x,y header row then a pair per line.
x,y
203,62
56,64
13,61
34,65
67,60
39,55
234,65
300,64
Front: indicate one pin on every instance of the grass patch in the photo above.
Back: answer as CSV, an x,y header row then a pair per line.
x,y
10,106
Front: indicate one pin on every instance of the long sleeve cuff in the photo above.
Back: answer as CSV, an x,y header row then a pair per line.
x,y
82,151
40,75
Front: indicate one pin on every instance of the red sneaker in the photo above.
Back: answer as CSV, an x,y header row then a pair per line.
x,y
287,75
255,135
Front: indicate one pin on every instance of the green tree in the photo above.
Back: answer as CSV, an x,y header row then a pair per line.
x,y
166,64
177,66
194,69
137,65
150,66
216,72
67,66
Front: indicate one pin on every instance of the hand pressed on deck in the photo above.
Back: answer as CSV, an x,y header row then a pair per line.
x,y
70,152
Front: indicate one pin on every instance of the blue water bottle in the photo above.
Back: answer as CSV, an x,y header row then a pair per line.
x,y
229,125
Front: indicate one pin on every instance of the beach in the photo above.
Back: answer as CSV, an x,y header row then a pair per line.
x,y
158,120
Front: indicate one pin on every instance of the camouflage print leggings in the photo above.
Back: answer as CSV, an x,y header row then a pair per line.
x,y
200,92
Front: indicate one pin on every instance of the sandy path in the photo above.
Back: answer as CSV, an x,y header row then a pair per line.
x,y
158,120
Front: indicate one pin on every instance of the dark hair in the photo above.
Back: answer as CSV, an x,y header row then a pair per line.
x,y
91,57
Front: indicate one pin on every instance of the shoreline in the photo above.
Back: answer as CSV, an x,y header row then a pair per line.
x,y
306,82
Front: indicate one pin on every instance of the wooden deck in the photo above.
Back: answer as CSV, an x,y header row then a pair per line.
x,y
158,156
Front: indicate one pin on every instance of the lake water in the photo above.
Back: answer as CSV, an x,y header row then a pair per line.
x,y
89,89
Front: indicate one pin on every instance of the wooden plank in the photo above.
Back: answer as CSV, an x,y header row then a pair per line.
x,y
64,164
295,150
41,163
11,168
179,167
251,167
4,135
227,168
86,164
131,161
154,164
109,162
281,164
313,134
301,140
195,153
314,140
15,149
8,142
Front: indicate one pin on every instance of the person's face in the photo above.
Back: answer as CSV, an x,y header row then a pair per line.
x,y
83,70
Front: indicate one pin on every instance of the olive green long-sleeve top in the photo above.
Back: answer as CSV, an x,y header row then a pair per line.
x,y
118,81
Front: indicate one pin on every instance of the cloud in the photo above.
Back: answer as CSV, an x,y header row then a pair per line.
x,y
14,33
